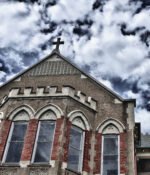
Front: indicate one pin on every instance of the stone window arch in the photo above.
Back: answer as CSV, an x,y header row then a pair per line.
x,y
55,111
111,122
21,113
78,118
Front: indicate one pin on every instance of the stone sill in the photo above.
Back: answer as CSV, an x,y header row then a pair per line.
x,y
39,165
10,165
75,172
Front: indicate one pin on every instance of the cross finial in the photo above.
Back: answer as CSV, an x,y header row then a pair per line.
x,y
57,43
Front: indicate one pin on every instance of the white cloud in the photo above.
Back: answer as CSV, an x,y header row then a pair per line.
x,y
19,26
140,20
143,116
70,10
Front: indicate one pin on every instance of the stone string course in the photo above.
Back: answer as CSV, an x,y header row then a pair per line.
x,y
51,91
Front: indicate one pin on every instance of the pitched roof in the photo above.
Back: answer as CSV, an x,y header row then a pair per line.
x,y
75,66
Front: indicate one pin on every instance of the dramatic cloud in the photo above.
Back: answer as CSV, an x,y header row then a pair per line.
x,y
110,39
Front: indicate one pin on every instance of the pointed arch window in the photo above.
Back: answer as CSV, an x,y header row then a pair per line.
x,y
44,138
110,151
16,137
76,145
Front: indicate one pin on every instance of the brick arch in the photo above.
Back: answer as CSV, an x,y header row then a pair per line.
x,y
55,109
108,122
24,108
75,115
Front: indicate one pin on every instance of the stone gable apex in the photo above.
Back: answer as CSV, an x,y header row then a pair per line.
x,y
55,59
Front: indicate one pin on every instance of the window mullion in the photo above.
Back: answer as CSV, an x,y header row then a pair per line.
x,y
36,141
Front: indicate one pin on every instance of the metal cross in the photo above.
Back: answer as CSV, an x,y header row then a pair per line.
x,y
57,43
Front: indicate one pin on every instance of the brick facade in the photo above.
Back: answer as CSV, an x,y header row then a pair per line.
x,y
123,153
86,155
29,140
66,143
56,143
5,128
97,158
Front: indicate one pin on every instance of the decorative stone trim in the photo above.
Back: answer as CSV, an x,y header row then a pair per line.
x,y
49,91
110,129
30,111
116,101
57,111
110,121
64,165
52,163
24,164
78,118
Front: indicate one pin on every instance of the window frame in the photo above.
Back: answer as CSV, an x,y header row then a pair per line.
x,y
36,141
9,141
102,151
80,164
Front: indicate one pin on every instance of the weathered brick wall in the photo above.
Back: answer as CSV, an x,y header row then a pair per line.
x,y
86,155
5,128
97,158
123,153
57,141
66,143
29,140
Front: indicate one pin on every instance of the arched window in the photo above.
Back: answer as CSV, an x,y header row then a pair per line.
x,y
16,137
110,150
76,144
44,138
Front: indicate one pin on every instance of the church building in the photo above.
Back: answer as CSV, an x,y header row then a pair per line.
x,y
58,120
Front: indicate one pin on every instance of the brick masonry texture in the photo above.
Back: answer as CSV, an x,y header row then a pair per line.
x,y
4,135
29,140
123,153
56,143
97,158
67,137
86,155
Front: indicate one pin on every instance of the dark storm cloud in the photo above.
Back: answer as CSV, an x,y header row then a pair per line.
x,y
3,67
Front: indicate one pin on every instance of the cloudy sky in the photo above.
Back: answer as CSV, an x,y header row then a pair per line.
x,y
109,39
